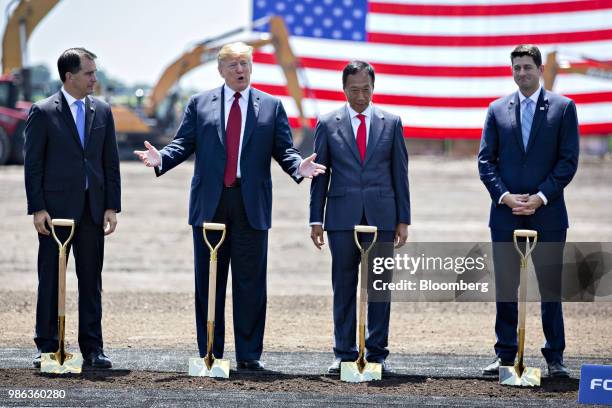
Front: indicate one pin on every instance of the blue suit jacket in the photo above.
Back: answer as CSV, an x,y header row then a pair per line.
x,y
378,187
56,164
547,165
267,135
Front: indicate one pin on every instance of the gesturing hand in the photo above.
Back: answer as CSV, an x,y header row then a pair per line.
x,y
150,157
310,169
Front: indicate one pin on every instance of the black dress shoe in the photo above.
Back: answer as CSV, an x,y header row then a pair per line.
x,y
558,370
334,368
493,368
254,365
36,361
97,359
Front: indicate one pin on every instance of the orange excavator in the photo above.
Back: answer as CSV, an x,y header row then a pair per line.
x,y
132,126
589,66
15,85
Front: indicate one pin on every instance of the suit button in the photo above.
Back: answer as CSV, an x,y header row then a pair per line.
x,y
84,160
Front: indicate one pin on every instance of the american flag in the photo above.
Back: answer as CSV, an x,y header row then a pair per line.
x,y
439,63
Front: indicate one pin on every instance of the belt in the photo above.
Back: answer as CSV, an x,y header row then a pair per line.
x,y
235,184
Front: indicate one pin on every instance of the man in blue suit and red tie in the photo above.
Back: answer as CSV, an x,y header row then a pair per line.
x,y
528,155
368,184
235,131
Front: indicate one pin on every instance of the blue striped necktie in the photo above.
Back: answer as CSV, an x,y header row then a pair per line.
x,y
527,120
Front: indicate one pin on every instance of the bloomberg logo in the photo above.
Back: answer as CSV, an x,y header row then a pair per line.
x,y
595,384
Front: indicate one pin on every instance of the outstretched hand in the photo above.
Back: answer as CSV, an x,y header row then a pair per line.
x,y
150,157
310,169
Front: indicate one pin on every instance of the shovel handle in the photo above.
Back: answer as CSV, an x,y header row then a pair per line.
x,y
62,261
366,229
213,227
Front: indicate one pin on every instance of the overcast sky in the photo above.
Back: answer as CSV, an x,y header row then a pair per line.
x,y
134,39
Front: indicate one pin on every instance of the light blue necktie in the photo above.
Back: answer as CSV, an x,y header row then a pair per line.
x,y
80,121
80,124
527,120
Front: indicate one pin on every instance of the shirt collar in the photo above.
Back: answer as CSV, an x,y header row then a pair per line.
x,y
534,97
71,99
229,93
352,113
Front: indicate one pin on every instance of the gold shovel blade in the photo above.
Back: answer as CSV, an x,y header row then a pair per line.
x,y
219,369
350,372
508,375
50,363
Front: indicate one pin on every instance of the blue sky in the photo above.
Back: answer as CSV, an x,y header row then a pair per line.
x,y
135,39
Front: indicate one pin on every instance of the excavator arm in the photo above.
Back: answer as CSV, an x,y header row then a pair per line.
x,y
19,27
207,51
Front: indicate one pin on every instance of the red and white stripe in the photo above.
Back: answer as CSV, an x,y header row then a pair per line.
x,y
439,63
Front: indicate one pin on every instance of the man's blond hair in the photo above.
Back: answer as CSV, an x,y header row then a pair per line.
x,y
236,49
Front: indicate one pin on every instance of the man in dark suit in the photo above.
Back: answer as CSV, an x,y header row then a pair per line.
x,y
234,131
368,184
528,155
72,171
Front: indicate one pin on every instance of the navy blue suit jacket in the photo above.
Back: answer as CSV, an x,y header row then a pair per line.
x,y
267,135
56,164
378,187
547,165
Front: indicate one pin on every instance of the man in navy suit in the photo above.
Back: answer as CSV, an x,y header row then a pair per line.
x,y
72,171
528,155
234,131
368,184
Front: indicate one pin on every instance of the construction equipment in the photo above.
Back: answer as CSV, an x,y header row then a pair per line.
x,y
589,67
134,132
15,81
209,366
519,375
61,362
361,370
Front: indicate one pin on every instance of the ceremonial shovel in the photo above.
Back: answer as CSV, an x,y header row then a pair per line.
x,y
61,362
209,366
519,375
361,370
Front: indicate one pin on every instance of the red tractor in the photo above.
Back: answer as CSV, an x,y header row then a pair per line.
x,y
13,115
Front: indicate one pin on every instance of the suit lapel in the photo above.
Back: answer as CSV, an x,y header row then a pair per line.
x,y
90,113
514,111
252,115
64,111
345,129
377,126
541,110
218,107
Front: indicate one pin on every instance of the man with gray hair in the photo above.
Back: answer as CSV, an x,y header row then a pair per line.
x,y
234,130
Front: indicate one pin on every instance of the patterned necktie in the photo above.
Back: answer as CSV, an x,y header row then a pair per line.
x,y
232,141
527,120
80,121
361,136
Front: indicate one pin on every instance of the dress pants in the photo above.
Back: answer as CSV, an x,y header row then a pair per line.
x,y
88,246
345,275
548,260
246,250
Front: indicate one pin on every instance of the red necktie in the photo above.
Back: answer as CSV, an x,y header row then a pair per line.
x,y
361,136
232,141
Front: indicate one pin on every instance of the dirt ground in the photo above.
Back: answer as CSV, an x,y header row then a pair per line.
x,y
148,274
561,389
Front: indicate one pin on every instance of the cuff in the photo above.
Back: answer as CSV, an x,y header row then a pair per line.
x,y
502,197
543,197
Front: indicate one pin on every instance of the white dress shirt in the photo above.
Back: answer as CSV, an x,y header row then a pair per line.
x,y
243,103
71,103
534,97
355,122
